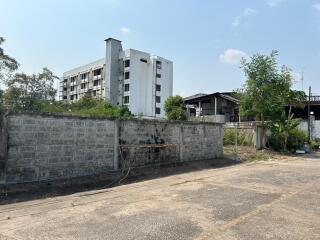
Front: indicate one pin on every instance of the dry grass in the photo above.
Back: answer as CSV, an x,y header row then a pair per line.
x,y
251,154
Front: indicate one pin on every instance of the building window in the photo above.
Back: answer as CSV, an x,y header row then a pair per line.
x,y
158,99
97,72
65,89
83,85
73,79
71,97
127,63
126,87
65,80
143,60
158,87
126,75
158,64
96,83
126,99
158,110
83,76
72,88
64,97
94,93
158,75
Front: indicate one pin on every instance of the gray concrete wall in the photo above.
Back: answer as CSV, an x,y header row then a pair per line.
x,y
3,145
46,147
49,147
315,128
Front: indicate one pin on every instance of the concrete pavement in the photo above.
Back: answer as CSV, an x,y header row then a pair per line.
x,y
263,200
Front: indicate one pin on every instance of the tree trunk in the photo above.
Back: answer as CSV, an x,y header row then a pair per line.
x,y
286,131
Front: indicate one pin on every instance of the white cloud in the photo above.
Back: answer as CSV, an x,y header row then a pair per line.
x,y
249,11
236,21
232,56
316,7
125,30
274,3
240,18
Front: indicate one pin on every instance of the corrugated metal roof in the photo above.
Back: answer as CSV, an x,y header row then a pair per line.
x,y
202,96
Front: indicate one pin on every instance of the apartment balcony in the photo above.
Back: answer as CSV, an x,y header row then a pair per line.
x,y
97,77
73,83
83,90
159,71
72,92
96,87
84,80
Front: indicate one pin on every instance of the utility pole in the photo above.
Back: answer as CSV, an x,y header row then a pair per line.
x,y
302,81
309,119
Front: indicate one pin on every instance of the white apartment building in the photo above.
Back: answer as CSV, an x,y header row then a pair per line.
x,y
125,77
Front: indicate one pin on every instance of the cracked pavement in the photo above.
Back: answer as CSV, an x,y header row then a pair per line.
x,y
278,199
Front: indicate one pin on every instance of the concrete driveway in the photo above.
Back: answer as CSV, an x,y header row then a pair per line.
x,y
265,200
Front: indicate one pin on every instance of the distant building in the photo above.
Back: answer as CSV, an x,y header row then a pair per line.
x,y
125,77
215,107
302,113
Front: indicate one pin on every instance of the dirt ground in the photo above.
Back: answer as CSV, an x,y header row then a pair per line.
x,y
274,199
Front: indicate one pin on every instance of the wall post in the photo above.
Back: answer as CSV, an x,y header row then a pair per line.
x,y
258,137
3,145
181,145
116,144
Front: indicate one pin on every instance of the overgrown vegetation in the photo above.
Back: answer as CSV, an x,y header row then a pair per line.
x,y
36,92
243,138
28,92
265,95
174,108
288,141
88,105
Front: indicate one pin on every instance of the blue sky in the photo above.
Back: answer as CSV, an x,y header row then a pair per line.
x,y
205,39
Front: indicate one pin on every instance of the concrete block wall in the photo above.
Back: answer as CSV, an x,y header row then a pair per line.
x,y
38,147
148,142
48,147
201,141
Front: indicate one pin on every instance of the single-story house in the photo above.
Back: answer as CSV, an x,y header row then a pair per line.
x,y
215,107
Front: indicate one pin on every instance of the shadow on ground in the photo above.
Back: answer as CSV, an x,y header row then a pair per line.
x,y
30,191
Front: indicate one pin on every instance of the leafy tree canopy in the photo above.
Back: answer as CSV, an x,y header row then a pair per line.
x,y
268,88
25,92
174,108
267,92
87,105
7,63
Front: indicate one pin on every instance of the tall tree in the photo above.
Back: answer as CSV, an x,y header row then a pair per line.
x,y
267,89
7,63
25,92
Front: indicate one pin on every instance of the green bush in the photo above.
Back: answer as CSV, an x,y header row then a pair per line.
x,y
295,140
87,105
174,108
315,143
